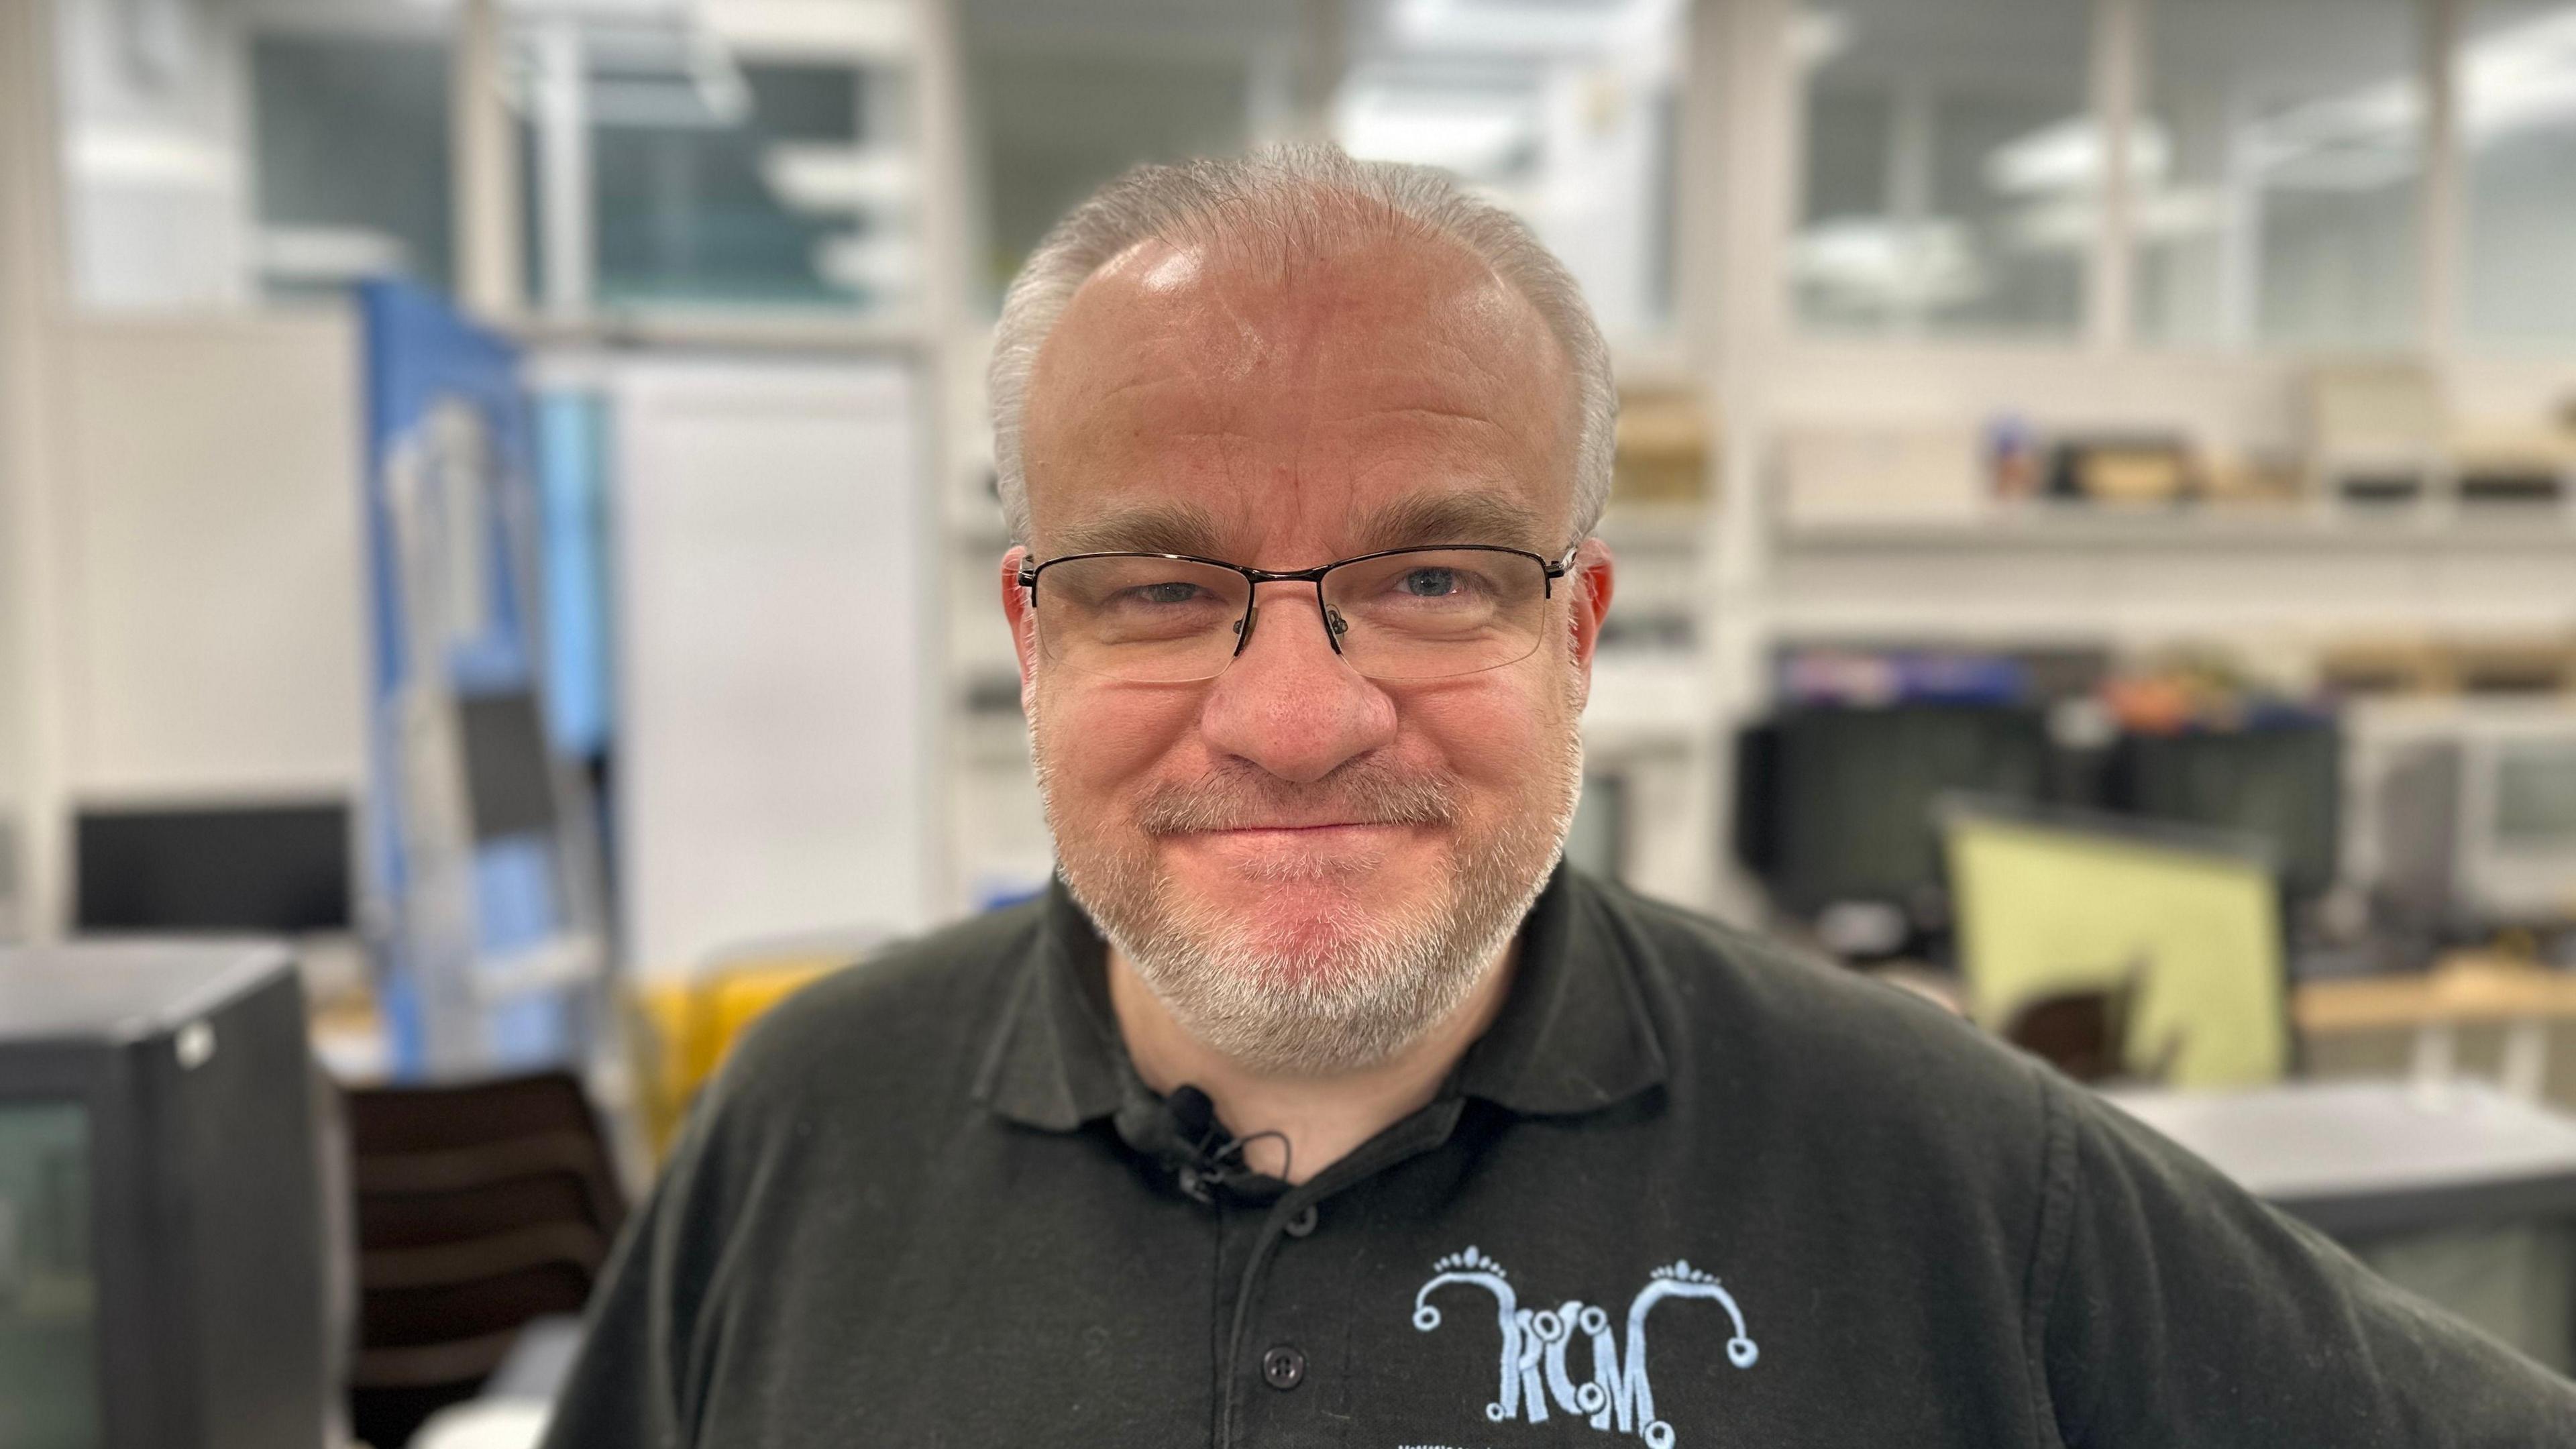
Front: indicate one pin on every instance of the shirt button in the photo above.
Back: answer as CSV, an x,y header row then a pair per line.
x,y
1283,1368
1303,1223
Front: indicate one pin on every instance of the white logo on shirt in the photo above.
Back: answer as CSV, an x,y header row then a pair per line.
x,y
1535,1341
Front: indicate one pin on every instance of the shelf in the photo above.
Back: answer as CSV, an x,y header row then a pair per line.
x,y
1654,527
2487,527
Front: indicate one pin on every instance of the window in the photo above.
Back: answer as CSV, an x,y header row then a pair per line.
x,y
2275,165
673,164
352,141
213,160
1952,168
1564,112
758,199
1060,114
2517,78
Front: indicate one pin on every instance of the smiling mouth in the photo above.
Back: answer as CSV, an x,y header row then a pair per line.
x,y
1293,829
1312,833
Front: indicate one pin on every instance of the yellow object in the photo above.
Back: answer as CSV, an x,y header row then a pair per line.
x,y
689,1025
2110,473
2046,908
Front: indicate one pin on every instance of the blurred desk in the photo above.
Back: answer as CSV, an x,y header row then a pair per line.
x,y
2464,990
2362,1159
2456,1191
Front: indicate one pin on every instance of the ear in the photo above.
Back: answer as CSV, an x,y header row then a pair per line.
x,y
1588,585
1023,619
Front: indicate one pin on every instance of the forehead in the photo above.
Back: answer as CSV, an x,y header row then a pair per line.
x,y
1323,402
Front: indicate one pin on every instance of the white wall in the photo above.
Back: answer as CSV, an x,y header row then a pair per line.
x,y
776,662
209,530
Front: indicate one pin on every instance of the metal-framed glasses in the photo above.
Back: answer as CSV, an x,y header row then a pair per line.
x,y
1406,613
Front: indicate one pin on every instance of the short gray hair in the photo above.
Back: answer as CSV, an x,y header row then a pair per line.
x,y
1271,196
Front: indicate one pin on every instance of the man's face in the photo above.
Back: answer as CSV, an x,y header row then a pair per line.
x,y
1299,860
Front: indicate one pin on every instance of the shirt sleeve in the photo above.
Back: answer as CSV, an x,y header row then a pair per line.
x,y
2184,1311
628,1386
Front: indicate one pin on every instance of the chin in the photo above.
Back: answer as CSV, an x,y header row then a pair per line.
x,y
1307,915
1291,882
1314,948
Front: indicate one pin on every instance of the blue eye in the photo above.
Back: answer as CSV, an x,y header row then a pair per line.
x,y
1429,583
1171,593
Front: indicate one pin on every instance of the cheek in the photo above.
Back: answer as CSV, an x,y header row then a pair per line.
x,y
1494,731
1102,738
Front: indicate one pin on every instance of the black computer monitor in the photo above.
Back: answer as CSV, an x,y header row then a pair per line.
x,y
1835,805
162,1280
277,868
2282,783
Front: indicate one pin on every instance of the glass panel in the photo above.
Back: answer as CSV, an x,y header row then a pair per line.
x,y
667,161
1562,110
1067,94
353,166
2276,165
1951,171
2518,127
1058,130
743,185
48,1296
211,160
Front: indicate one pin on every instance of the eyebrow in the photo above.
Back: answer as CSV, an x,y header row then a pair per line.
x,y
1465,517
1468,517
1143,528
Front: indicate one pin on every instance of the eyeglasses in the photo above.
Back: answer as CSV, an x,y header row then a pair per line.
x,y
1407,613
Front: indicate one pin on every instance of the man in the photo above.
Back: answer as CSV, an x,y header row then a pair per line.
x,y
1317,1105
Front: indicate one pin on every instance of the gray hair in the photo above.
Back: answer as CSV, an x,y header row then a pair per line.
x,y
1270,196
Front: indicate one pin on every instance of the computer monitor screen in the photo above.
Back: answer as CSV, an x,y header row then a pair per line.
x,y
2283,783
278,869
2536,796
48,1296
2046,906
1851,793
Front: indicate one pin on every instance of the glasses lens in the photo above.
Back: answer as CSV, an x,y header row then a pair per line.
x,y
1150,620
1433,612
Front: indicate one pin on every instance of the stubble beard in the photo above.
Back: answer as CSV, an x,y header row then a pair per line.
x,y
1341,994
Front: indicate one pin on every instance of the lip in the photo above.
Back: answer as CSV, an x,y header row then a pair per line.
x,y
1308,833
1296,829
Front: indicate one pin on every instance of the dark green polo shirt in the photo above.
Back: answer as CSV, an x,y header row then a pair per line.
x,y
1687,1191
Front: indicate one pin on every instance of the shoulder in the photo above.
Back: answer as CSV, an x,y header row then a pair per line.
x,y
1739,983
1827,1047
908,1019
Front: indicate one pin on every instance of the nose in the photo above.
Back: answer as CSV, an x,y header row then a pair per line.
x,y
1289,703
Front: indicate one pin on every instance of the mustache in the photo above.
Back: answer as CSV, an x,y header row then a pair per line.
x,y
1362,792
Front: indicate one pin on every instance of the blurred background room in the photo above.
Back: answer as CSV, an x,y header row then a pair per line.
x,y
498,585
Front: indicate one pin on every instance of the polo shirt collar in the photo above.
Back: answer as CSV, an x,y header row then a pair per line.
x,y
1057,1060
1573,1036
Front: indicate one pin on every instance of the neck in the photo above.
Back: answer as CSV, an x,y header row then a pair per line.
x,y
1321,1119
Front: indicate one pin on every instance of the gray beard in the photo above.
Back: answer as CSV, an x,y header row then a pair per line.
x,y
1345,1004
